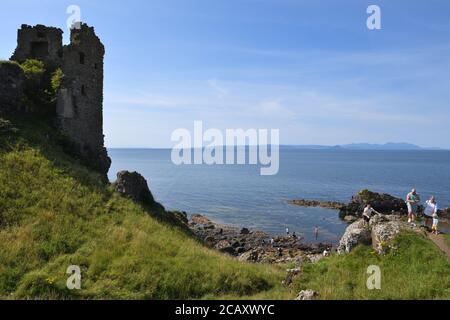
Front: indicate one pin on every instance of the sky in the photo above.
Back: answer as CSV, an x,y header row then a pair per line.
x,y
311,69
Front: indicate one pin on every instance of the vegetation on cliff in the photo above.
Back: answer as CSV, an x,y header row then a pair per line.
x,y
416,269
54,212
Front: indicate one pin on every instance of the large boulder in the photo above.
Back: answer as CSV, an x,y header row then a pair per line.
x,y
356,233
383,203
132,185
11,87
306,295
385,228
379,232
250,256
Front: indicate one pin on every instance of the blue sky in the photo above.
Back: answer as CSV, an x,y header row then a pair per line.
x,y
310,68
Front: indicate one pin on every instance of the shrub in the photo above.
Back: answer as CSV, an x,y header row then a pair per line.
x,y
33,69
8,62
55,82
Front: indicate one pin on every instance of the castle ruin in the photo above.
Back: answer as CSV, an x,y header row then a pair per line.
x,y
79,110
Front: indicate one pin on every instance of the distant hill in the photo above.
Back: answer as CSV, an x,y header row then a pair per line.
x,y
366,146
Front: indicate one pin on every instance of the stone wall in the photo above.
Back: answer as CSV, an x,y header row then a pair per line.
x,y
80,102
79,109
11,87
41,43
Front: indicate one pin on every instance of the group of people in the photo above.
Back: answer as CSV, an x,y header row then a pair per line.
x,y
430,212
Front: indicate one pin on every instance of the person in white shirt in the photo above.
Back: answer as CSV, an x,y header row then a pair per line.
x,y
431,208
368,212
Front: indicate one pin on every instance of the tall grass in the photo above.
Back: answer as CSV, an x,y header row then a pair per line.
x,y
54,213
415,270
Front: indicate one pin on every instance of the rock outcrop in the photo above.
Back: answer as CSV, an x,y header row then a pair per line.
x,y
383,203
132,185
356,233
379,232
316,203
385,228
11,87
306,295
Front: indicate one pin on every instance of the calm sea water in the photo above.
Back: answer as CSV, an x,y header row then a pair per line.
x,y
238,195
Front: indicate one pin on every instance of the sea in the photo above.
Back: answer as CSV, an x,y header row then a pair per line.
x,y
238,195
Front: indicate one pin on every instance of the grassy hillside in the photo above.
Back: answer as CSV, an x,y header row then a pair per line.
x,y
55,213
415,270
447,239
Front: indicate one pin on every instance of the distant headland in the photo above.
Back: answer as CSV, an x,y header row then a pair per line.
x,y
394,146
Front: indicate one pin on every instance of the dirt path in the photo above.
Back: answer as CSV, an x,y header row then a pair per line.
x,y
440,242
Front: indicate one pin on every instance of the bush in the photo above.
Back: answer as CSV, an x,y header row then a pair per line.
x,y
41,87
55,82
33,69
9,62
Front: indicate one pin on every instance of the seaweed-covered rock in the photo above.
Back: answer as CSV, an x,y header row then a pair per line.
x,y
383,203
317,203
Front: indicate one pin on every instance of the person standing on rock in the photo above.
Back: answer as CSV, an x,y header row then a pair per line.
x,y
368,212
431,208
412,202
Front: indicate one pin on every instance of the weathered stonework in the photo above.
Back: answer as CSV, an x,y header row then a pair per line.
x,y
41,43
79,111
11,87
80,101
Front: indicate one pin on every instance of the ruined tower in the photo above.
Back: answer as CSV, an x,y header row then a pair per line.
x,y
79,110
41,43
80,101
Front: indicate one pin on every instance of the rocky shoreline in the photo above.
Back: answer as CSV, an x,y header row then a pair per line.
x,y
259,247
254,246
382,202
317,203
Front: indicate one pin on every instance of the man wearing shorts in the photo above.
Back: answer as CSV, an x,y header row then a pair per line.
x,y
412,202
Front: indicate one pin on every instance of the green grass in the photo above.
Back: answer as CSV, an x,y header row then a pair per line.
x,y
9,62
447,239
55,213
415,270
